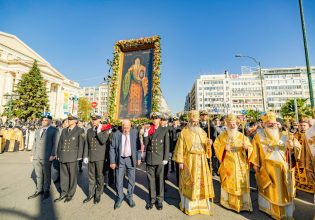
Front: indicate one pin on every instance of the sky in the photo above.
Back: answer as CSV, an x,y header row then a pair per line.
x,y
198,37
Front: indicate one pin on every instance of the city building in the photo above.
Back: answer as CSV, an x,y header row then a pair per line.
x,y
16,58
232,93
98,94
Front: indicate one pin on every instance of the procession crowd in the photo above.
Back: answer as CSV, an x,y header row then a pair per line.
x,y
282,155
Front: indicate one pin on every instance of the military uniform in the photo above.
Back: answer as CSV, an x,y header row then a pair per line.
x,y
94,150
157,150
70,150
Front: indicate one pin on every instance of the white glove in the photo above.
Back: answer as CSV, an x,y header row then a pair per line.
x,y
146,133
85,160
164,162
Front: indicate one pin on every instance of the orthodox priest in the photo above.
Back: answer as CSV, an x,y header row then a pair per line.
x,y
274,158
232,149
192,150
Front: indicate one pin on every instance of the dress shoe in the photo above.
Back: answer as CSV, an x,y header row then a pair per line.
x,y
149,206
88,199
35,195
97,199
131,203
68,199
117,204
46,195
60,198
159,206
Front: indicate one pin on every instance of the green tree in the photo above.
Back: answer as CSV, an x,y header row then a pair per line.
x,y
288,109
32,95
84,109
252,115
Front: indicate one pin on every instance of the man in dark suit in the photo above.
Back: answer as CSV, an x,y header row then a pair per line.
x,y
125,154
43,153
70,150
157,144
94,155
176,129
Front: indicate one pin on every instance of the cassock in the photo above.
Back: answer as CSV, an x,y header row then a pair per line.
x,y
195,180
275,178
234,170
302,181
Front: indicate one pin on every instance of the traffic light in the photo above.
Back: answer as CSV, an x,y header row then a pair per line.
x,y
291,108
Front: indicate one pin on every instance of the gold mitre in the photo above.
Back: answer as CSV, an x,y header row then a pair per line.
x,y
229,118
269,117
193,115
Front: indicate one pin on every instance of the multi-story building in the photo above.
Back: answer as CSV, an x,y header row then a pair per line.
x,y
16,58
97,94
284,83
224,93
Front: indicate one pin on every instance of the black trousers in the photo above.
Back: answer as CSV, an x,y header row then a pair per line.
x,y
96,178
155,174
68,178
109,174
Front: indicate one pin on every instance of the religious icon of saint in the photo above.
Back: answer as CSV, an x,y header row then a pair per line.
x,y
135,88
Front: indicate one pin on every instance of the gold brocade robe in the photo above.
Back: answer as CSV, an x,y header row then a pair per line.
x,y
195,180
302,182
275,179
234,171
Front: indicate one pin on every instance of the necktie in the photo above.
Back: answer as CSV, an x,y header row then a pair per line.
x,y
43,132
126,148
69,130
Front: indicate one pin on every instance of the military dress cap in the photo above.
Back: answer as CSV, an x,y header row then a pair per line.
x,y
47,115
72,117
155,115
203,112
175,118
164,117
95,116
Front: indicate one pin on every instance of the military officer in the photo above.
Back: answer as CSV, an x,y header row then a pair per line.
x,y
156,139
94,155
70,150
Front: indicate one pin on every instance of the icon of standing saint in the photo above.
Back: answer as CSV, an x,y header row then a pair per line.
x,y
135,88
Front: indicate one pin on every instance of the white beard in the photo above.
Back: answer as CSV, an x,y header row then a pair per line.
x,y
194,128
232,132
273,133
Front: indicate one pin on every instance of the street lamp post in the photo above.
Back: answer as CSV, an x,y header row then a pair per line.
x,y
308,68
73,99
9,104
260,76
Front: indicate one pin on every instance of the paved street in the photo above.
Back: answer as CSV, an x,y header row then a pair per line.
x,y
17,184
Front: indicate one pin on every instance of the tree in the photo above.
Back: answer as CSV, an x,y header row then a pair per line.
x,y
288,109
32,95
252,115
84,109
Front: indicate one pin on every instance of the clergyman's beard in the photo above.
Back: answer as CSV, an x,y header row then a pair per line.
x,y
273,132
231,132
194,128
